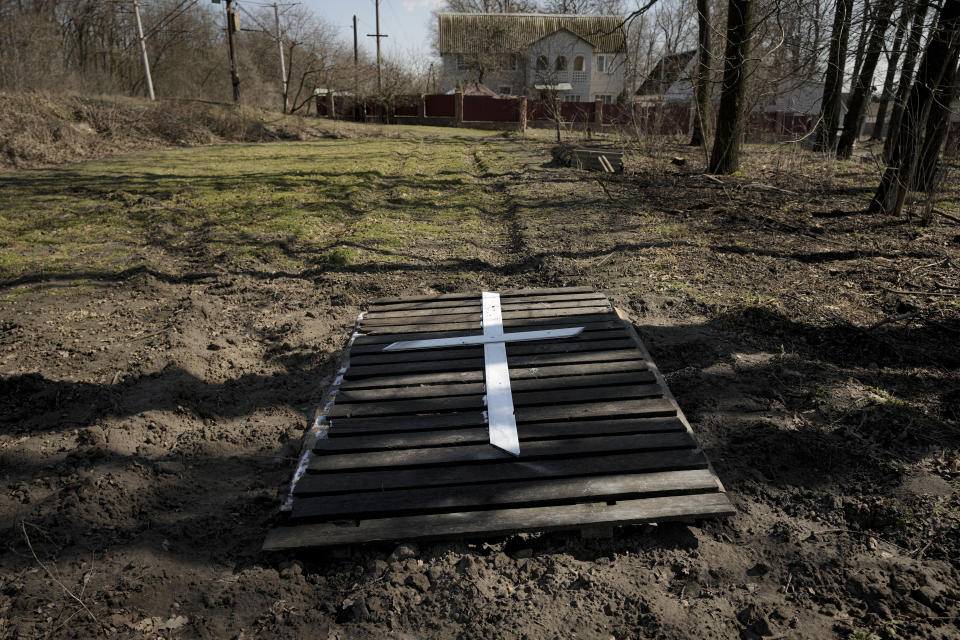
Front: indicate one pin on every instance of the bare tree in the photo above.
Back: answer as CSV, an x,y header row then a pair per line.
x,y
725,157
893,57
860,96
906,73
702,82
938,126
934,68
829,121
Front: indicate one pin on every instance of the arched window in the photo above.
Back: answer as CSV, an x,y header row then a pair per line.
x,y
542,63
561,63
578,63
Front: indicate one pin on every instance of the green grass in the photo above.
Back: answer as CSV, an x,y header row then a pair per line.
x,y
285,205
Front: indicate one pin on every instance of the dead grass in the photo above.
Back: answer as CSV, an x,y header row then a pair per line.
x,y
38,129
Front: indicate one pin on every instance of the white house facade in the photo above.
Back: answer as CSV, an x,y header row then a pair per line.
x,y
577,58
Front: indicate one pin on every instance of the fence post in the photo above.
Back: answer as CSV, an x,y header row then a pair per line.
x,y
598,112
523,114
422,109
458,108
331,109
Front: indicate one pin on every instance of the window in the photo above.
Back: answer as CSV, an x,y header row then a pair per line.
x,y
561,63
542,63
463,62
571,98
505,91
604,64
578,63
607,98
508,63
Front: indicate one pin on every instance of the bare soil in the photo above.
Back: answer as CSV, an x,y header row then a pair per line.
x,y
149,420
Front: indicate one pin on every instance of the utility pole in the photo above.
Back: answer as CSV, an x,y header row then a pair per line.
x,y
378,35
232,24
143,50
283,70
356,60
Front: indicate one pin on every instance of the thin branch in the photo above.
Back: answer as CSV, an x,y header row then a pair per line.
x,y
23,526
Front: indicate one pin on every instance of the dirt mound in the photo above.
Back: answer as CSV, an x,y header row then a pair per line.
x,y
39,129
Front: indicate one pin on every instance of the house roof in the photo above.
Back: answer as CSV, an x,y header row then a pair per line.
x,y
668,70
512,32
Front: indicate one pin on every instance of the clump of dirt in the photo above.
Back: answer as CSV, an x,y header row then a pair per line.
x,y
150,423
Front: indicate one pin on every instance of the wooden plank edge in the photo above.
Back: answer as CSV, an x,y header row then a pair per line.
x,y
667,393
317,423
500,522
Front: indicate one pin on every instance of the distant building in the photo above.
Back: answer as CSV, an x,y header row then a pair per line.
x,y
671,82
578,58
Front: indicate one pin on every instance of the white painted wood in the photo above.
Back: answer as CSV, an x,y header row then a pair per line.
x,y
492,318
465,341
502,422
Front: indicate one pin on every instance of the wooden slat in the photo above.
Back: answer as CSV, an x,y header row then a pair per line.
x,y
481,435
523,324
453,303
475,401
602,351
500,521
508,293
468,454
473,320
533,384
464,321
585,342
528,493
516,373
582,341
471,310
646,408
513,349
473,324
499,471
463,326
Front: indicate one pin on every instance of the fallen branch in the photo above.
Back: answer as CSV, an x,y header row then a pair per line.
x,y
769,187
896,318
605,190
23,526
947,215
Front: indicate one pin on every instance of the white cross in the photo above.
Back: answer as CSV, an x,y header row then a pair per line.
x,y
502,423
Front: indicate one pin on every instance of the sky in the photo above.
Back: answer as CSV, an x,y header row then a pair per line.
x,y
406,23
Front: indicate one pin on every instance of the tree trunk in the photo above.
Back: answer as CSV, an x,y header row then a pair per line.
x,y
859,100
933,66
865,22
826,132
725,157
702,83
938,126
906,74
887,91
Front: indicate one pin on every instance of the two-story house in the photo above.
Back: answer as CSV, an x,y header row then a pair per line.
x,y
578,58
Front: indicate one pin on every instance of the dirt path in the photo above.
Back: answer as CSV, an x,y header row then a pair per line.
x,y
151,413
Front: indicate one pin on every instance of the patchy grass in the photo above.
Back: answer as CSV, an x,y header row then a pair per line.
x,y
284,205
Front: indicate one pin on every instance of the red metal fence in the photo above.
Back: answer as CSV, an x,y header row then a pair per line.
x,y
490,109
649,119
440,106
